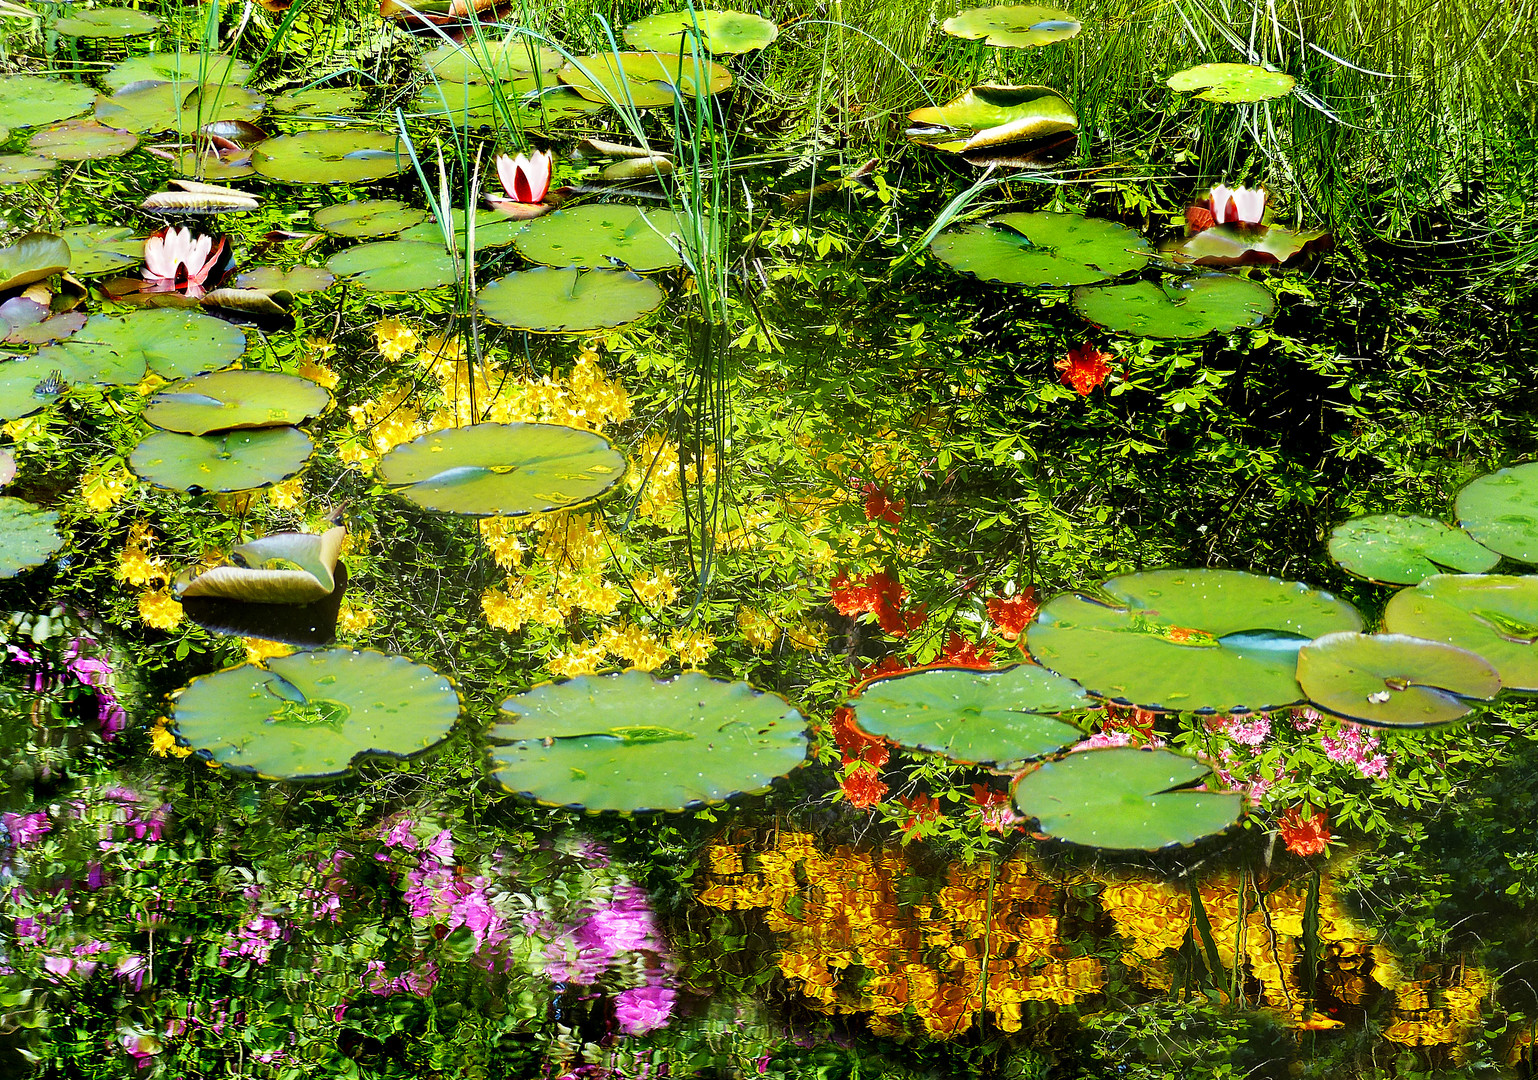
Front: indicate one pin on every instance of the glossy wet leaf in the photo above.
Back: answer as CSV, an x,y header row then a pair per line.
x,y
1191,308
1001,717
598,235
282,568
1123,799
367,217
395,266
1493,615
107,22
1186,640
32,100
331,156
26,386
222,462
568,301
29,536
82,140
32,257
1043,249
321,101
494,60
1247,245
173,343
1500,510
306,625
102,249
503,469
242,398
1404,550
646,80
718,32
314,714
1393,680
180,107
492,230
25,168
992,115
1017,26
631,742
178,66
26,322
1231,83
296,279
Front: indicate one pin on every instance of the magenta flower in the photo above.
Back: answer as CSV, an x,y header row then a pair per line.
x,y
526,181
643,1009
132,969
442,847
25,828
176,261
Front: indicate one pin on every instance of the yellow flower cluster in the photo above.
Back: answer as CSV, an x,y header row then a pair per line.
x,y
808,634
653,475
31,430
163,743
758,628
102,488
355,618
634,645
693,646
378,426
656,589
136,565
573,541
159,609
314,368
394,339
578,660
289,495
259,649
501,536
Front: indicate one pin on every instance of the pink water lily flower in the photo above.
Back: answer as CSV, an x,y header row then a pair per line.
x,y
526,180
1238,206
175,260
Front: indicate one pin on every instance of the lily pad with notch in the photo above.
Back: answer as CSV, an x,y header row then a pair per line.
x,y
601,234
1014,26
1247,245
331,156
1492,615
548,300
492,230
32,100
1404,550
222,462
29,535
1043,249
102,249
107,22
230,400
994,116
645,80
24,321
718,32
1394,680
178,66
25,168
180,107
395,266
82,140
1500,510
32,257
319,101
521,103
174,343
367,218
1232,83
281,568
1193,308
631,742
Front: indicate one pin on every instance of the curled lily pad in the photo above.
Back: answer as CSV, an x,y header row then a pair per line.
x,y
25,168
107,22
395,266
1493,615
283,568
1247,245
1398,550
1231,83
631,742
719,32
222,462
1392,680
646,80
1188,309
364,218
28,536
500,60
172,342
177,66
31,100
322,101
503,469
1017,27
1188,640
296,279
32,257
26,322
331,156
82,140
992,115
1001,717
27,385
602,234
1500,510
492,230
568,301
1043,249
1123,799
226,400
306,625
314,714
102,249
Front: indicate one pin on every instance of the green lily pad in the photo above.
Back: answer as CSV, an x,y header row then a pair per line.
x,y
221,462
1188,640
31,100
212,167
107,23
314,714
172,342
322,101
1192,308
1396,550
1014,27
1247,245
1391,680
82,140
102,249
281,568
492,230
504,470
27,385
226,400
992,115
180,107
600,234
331,156
497,60
183,67
1231,83
28,536
25,168
1500,510
296,279
1493,615
567,300
646,80
395,266
1043,249
631,742
367,217
718,32
1123,799
32,257
999,718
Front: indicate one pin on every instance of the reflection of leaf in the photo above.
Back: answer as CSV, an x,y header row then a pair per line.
x,y
259,573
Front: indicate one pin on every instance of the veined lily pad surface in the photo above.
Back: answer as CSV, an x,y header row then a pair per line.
x,y
82,140
174,343
1125,800
496,60
1188,640
568,301
321,101
226,400
25,168
27,385
503,469
720,32
222,462
283,568
179,107
1493,615
331,156
1043,249
645,80
102,249
1500,510
28,536
492,230
1017,26
1400,550
107,22
1231,83
1188,309
33,257
178,66
395,265
367,218
313,714
32,100
994,115
296,279
1392,680
998,717
601,234
631,742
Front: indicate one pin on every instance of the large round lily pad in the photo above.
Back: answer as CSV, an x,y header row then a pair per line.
x,y
226,400
631,742
331,156
82,140
31,100
1018,26
1500,510
568,301
719,32
492,230
320,101
1494,615
1397,550
524,102
172,342
1190,309
1043,249
1188,640
222,462
314,714
32,257
180,107
364,218
27,385
1125,800
1247,245
107,22
503,469
183,67
496,60
395,266
1231,83
992,115
1001,717
25,168
601,234
646,80
102,249
24,321
28,536
1392,680
296,279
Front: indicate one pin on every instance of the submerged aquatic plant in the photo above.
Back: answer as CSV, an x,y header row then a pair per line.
x,y
526,180
177,261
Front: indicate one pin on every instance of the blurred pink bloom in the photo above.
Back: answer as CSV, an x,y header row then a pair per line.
x,y
442,847
643,1009
25,828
